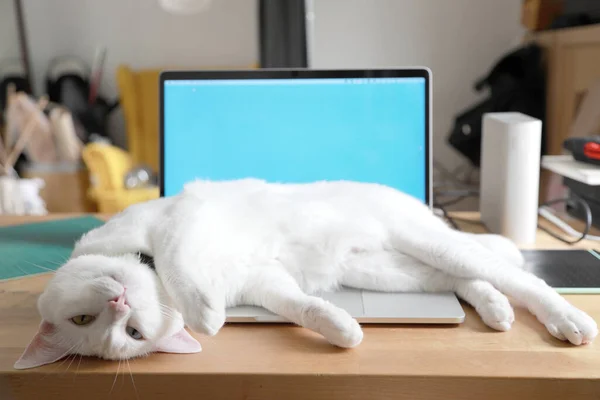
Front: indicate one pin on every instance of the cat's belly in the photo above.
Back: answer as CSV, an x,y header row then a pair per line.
x,y
319,265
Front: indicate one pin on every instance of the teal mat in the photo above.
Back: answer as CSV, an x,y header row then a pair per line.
x,y
36,248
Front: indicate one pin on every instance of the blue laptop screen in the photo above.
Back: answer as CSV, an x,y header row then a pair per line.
x,y
296,130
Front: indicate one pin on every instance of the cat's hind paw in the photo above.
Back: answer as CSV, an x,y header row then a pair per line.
x,y
573,325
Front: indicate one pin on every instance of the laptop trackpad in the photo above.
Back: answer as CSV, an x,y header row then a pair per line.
x,y
349,299
408,306
374,307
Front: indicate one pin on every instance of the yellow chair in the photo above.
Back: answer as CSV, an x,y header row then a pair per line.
x,y
138,91
108,165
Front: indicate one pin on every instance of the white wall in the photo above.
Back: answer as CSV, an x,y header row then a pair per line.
x,y
141,34
9,39
458,39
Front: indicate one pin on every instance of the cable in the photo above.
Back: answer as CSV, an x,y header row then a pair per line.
x,y
546,212
456,192
451,175
456,200
469,221
447,217
552,217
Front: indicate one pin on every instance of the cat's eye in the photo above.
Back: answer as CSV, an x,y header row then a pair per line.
x,y
83,319
134,333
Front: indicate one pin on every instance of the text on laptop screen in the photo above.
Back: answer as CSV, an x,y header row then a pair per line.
x,y
296,130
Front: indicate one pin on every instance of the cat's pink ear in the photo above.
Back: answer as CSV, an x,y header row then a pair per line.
x,y
180,342
41,350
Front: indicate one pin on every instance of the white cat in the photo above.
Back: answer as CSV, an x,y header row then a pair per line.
x,y
220,244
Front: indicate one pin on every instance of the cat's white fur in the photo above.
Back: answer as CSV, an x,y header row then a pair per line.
x,y
220,244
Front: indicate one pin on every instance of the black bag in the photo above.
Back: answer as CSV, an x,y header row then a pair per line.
x,y
517,83
67,83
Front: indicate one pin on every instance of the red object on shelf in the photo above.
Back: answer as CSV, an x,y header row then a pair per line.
x,y
592,150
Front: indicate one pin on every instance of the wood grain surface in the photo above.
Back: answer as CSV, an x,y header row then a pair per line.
x,y
468,361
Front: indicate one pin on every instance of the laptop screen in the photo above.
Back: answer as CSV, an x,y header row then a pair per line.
x,y
296,131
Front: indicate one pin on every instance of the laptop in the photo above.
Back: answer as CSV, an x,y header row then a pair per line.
x,y
298,125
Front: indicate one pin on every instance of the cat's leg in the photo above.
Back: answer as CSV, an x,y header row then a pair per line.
x,y
393,272
462,257
277,291
199,297
201,304
500,245
493,307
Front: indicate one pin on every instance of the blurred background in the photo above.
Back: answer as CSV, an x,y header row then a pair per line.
x,y
79,78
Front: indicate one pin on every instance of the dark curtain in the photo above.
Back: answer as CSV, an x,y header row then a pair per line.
x,y
282,34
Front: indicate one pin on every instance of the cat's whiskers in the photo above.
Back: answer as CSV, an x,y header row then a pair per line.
x,y
165,306
21,269
72,352
40,267
168,316
78,365
116,376
67,353
132,381
55,262
74,356
168,309
64,260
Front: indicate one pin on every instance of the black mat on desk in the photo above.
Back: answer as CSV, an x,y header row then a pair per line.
x,y
568,271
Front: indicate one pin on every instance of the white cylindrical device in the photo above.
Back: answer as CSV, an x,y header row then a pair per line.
x,y
510,175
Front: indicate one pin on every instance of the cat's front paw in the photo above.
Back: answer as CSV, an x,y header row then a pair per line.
x,y
572,324
335,324
497,313
204,315
207,321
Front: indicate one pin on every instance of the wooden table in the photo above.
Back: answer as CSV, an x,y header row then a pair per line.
x,y
469,361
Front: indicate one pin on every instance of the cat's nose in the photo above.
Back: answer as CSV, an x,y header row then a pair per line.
x,y
121,298
119,305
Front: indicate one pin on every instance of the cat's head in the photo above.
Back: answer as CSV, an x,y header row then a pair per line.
x,y
110,307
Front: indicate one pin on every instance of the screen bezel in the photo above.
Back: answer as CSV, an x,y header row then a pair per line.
x,y
417,72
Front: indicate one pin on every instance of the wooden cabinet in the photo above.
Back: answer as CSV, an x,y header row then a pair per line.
x,y
65,187
572,58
